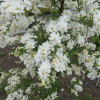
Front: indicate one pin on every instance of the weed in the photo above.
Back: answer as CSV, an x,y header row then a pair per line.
x,y
89,97
3,60
1,70
3,54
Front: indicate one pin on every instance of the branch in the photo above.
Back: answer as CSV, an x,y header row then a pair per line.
x,y
61,8
47,17
55,3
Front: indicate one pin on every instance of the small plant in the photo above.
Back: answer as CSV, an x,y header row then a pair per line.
x,y
89,97
1,70
3,60
3,54
2,87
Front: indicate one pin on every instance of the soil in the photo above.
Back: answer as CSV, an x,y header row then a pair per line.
x,y
89,86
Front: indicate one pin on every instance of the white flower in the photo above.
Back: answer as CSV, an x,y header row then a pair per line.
x,y
90,46
44,48
51,27
78,87
10,97
13,6
24,71
68,14
70,44
54,95
80,40
98,63
74,91
14,80
81,58
89,66
69,71
27,4
32,71
44,70
77,71
60,67
97,18
55,38
62,26
62,89
26,37
68,36
30,44
63,58
15,94
80,82
25,97
73,79
28,90
92,75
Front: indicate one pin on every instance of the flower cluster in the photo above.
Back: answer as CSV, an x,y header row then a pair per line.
x,y
52,47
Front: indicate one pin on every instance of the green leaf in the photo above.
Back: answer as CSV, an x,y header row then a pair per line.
x,y
3,54
51,80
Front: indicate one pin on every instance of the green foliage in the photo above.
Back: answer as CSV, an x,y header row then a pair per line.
x,y
3,54
97,98
51,80
3,60
86,21
96,41
2,87
44,10
86,72
1,70
89,97
26,83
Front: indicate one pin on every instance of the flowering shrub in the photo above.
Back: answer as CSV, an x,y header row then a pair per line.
x,y
52,47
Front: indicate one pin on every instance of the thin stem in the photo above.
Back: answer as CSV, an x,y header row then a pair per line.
x,y
78,4
55,3
87,22
97,82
